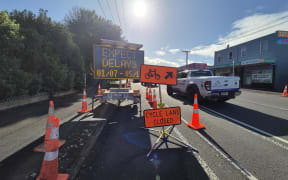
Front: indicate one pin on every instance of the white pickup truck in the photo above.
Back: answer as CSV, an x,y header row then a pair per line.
x,y
207,86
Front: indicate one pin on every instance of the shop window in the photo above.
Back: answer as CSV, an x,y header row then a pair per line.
x,y
243,51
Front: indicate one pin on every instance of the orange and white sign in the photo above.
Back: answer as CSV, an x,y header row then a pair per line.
x,y
282,34
162,117
158,74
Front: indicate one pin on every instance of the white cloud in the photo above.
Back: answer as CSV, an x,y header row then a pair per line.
x,y
160,62
246,29
174,51
160,53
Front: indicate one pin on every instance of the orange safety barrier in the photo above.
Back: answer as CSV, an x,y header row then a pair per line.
x,y
195,124
154,99
285,91
49,168
50,132
84,104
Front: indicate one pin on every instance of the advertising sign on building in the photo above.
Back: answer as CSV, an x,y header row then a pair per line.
x,y
252,61
117,63
282,34
192,66
282,41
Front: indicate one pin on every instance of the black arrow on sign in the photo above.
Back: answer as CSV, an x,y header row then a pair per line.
x,y
169,74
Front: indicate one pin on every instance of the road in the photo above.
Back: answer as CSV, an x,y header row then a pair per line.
x,y
249,131
244,138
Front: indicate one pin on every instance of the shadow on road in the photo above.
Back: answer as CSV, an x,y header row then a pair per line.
x,y
120,153
260,120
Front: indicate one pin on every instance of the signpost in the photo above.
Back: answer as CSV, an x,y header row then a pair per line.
x,y
158,75
116,63
163,116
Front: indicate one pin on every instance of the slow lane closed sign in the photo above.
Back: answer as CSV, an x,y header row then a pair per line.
x,y
162,117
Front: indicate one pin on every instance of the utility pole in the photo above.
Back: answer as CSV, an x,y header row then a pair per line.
x,y
186,51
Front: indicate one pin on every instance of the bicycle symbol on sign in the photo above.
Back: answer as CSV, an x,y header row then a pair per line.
x,y
151,74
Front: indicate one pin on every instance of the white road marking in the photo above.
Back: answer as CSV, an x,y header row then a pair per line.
x,y
203,164
232,161
254,128
275,107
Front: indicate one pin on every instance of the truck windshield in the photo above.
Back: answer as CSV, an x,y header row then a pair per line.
x,y
200,73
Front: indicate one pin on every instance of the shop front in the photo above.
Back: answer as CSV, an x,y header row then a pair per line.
x,y
258,76
253,73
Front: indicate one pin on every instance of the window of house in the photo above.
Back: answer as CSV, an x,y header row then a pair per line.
x,y
218,59
265,45
243,51
230,55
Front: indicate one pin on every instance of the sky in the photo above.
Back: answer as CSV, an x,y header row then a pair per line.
x,y
166,27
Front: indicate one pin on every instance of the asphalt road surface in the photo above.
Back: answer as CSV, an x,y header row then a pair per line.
x,y
244,138
249,132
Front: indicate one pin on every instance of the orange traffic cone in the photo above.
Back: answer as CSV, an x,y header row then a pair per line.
x,y
150,95
195,124
49,168
84,103
99,90
147,93
154,100
285,91
49,130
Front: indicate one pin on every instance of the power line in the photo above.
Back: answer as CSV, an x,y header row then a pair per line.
x,y
123,14
124,25
99,2
118,15
249,34
108,4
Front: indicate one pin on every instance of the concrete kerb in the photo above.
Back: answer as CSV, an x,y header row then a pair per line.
x,y
261,91
87,148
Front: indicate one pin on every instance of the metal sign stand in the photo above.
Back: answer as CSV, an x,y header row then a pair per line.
x,y
164,134
161,105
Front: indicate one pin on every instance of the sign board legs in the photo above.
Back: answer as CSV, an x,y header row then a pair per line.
x,y
164,134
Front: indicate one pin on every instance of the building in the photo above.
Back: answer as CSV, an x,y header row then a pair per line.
x,y
260,63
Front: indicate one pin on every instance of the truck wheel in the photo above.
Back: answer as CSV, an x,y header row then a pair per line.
x,y
169,90
200,98
190,93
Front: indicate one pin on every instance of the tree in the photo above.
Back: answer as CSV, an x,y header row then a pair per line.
x,y
87,29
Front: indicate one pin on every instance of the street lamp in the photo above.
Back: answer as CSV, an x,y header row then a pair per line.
x,y
186,51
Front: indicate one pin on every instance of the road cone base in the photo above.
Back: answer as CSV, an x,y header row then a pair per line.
x,y
84,111
200,126
41,147
59,177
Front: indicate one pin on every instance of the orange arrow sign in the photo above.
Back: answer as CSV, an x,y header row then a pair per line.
x,y
158,74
